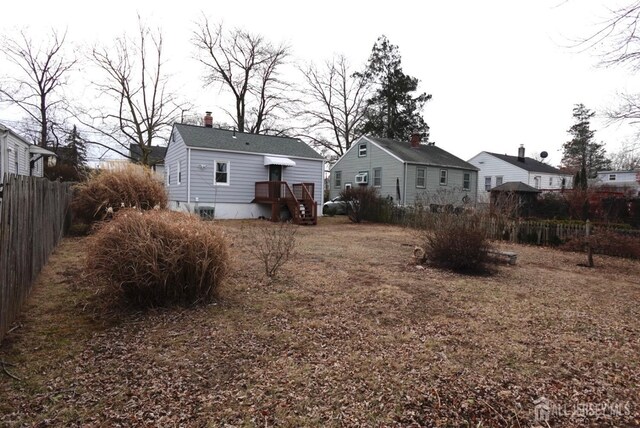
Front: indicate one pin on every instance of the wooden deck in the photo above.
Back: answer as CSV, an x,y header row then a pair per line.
x,y
298,198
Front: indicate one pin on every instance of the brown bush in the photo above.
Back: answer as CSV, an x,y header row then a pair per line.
x,y
272,244
607,242
128,186
361,202
159,257
459,243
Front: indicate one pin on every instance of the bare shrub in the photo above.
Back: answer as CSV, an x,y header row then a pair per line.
x,y
459,243
273,245
607,242
159,257
107,191
361,202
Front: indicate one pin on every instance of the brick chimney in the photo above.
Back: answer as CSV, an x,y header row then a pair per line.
x,y
415,139
521,153
208,120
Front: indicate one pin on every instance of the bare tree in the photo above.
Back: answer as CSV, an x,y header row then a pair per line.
x,y
618,41
627,158
140,107
44,70
248,66
335,100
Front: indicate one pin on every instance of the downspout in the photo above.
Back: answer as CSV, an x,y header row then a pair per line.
x,y
5,155
189,178
322,194
404,197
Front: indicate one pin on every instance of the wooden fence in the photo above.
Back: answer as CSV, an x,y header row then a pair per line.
x,y
33,215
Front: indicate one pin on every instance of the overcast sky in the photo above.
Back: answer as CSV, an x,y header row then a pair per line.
x,y
501,72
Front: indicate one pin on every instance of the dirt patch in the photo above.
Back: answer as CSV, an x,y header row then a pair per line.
x,y
350,334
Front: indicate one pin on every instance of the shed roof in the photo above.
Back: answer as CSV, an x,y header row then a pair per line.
x,y
423,154
516,187
155,157
224,139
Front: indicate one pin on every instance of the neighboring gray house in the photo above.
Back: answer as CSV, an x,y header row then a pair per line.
x,y
409,172
237,175
156,157
18,156
496,169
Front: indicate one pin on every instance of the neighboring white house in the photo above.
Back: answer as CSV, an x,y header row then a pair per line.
x,y
18,156
232,174
496,169
626,181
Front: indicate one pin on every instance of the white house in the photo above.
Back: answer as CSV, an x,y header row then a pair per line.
x,y
18,156
496,169
626,181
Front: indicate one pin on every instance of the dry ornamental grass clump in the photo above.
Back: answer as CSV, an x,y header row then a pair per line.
x,y
459,243
107,191
159,257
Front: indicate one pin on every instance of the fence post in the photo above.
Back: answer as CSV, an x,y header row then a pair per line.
x,y
589,249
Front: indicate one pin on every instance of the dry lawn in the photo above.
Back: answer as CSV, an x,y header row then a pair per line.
x,y
350,334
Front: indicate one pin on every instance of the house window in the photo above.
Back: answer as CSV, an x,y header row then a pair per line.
x,y
498,180
222,173
443,177
466,181
612,177
178,173
168,176
338,179
377,177
347,186
536,182
550,181
362,150
487,183
421,178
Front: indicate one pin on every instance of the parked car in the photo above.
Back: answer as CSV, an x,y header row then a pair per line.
x,y
337,205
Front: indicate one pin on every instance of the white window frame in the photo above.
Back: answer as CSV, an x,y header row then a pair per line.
x,y
215,173
499,180
362,150
424,178
337,179
550,181
537,180
487,183
168,176
178,174
348,185
613,177
466,178
445,176
378,178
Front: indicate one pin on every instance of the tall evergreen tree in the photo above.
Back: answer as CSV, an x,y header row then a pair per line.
x,y
393,111
582,153
77,149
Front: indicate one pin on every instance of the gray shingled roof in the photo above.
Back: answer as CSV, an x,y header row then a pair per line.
x,y
515,186
423,154
155,157
223,139
529,164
